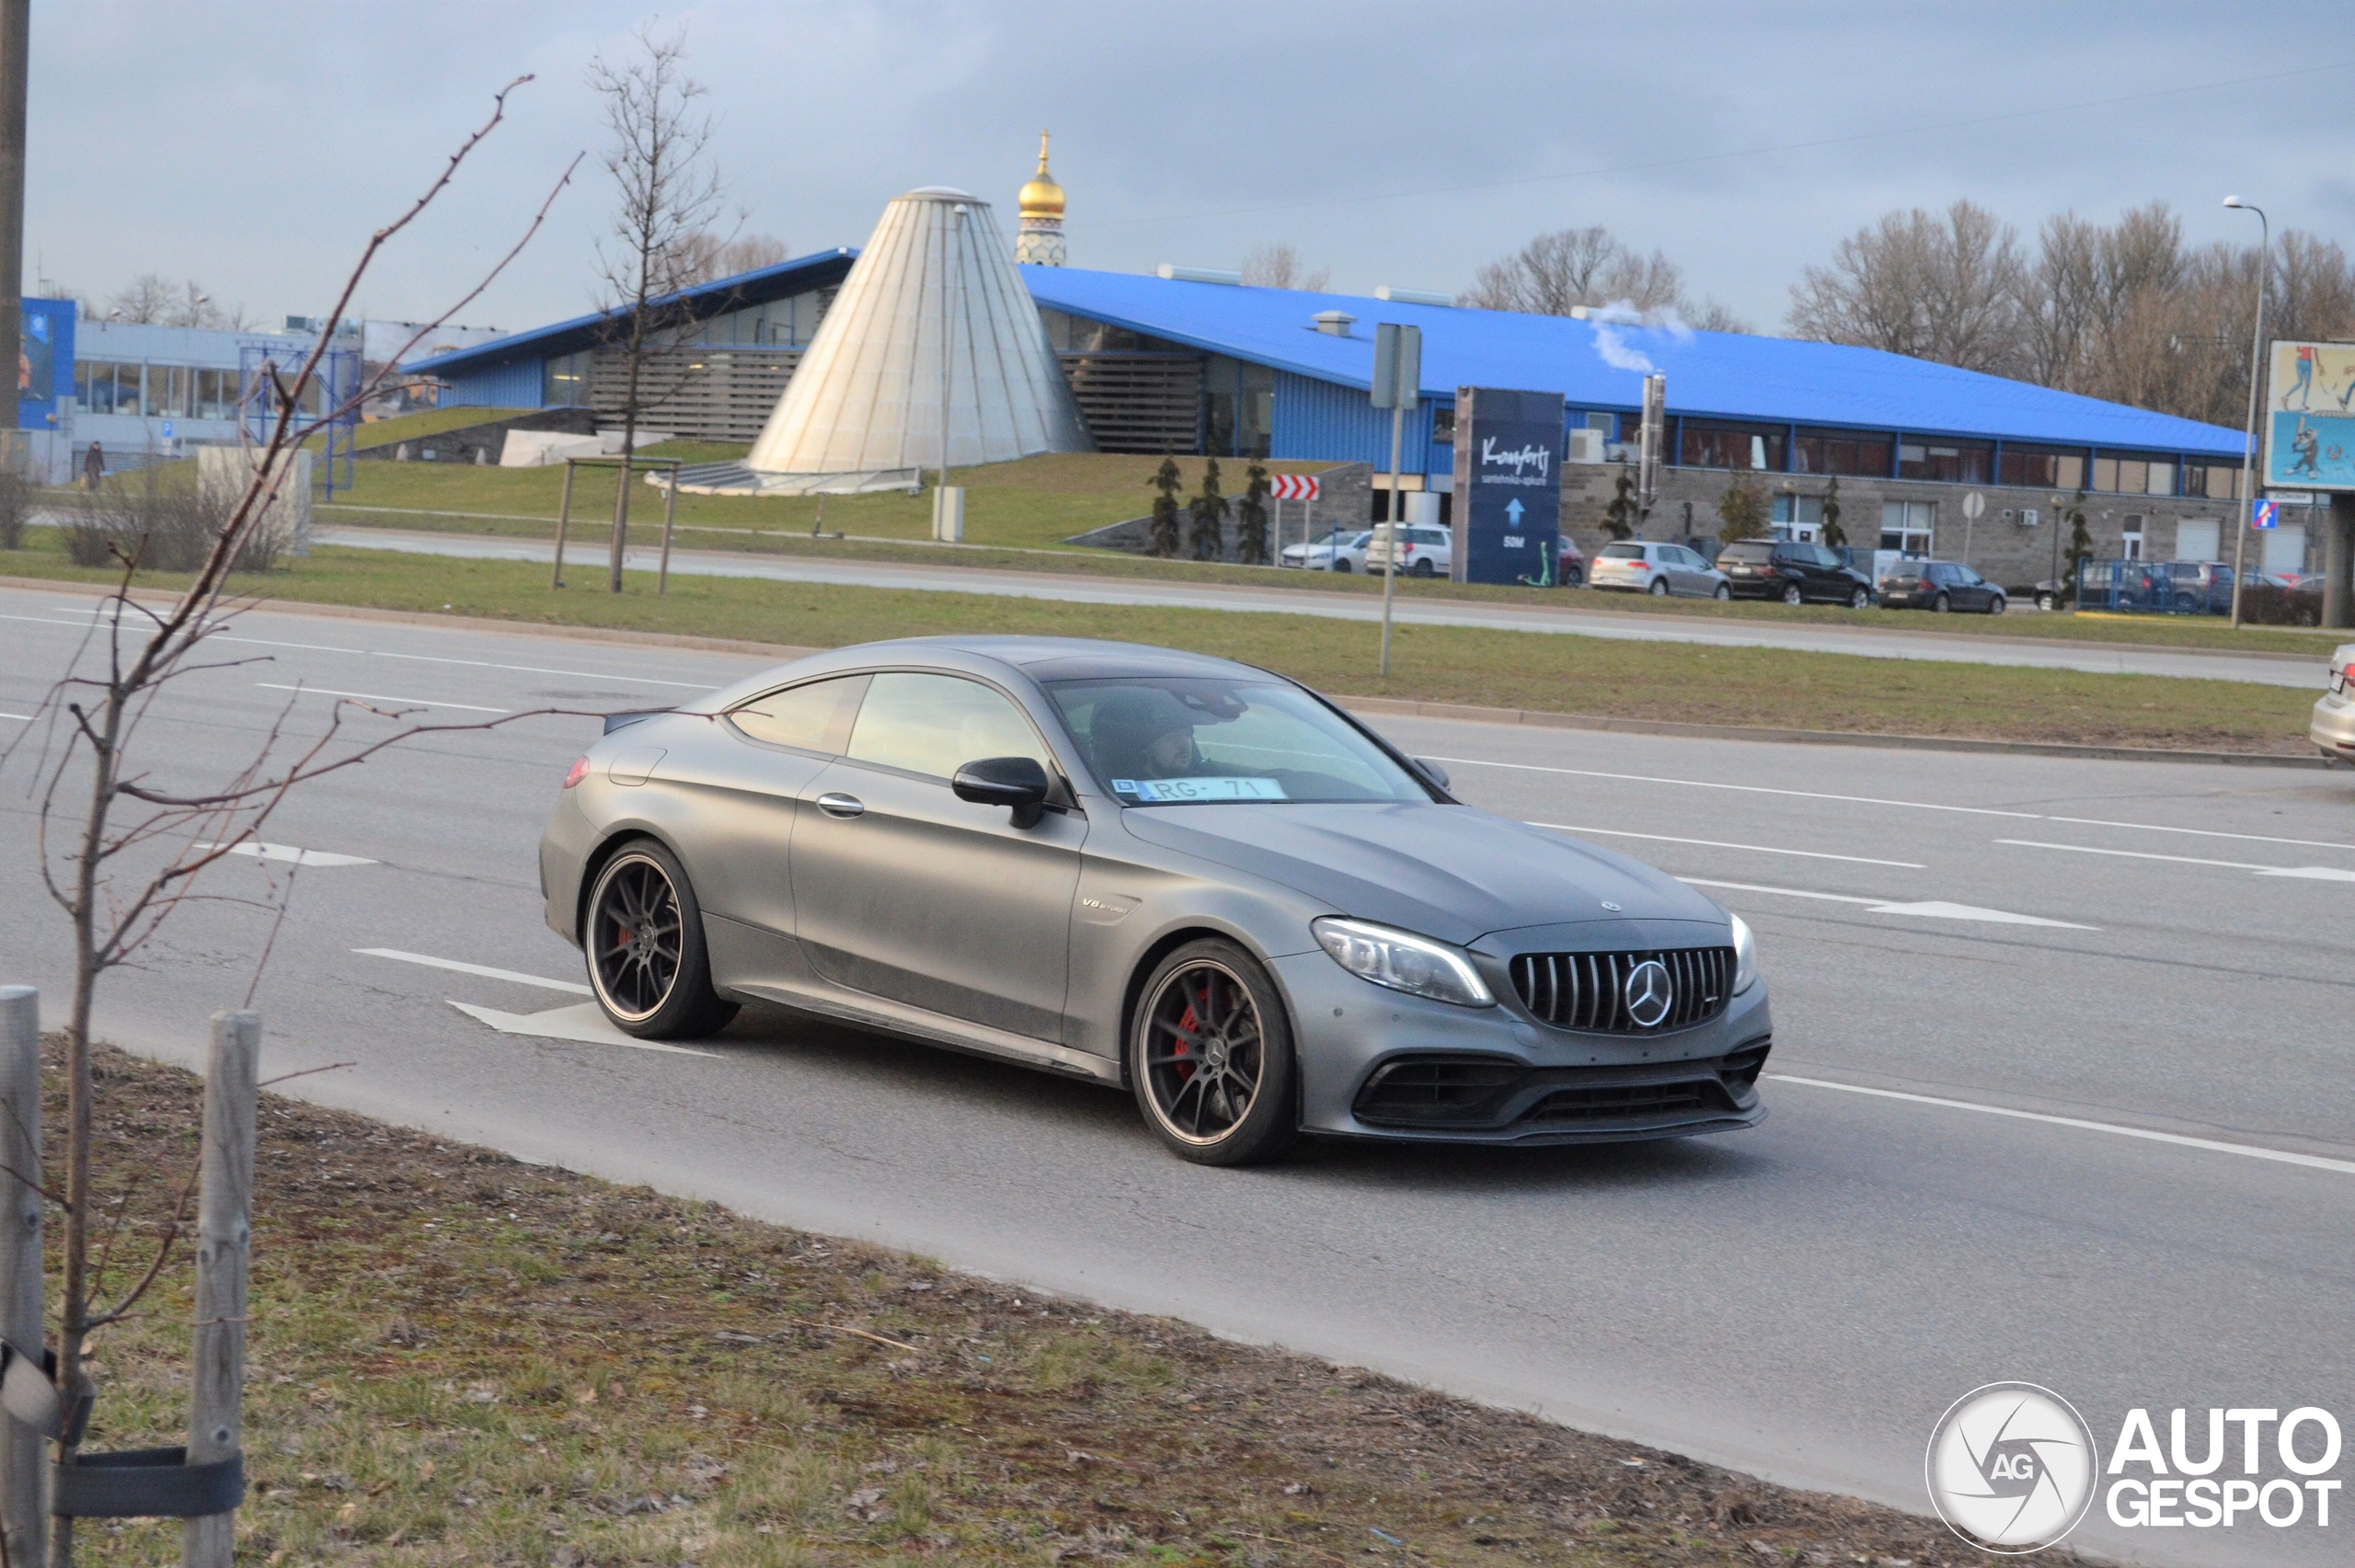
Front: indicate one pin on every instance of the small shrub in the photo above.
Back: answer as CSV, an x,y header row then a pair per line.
x,y
15,504
162,521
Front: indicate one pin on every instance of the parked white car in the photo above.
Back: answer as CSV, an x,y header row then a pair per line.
x,y
1334,552
2332,730
1641,567
1423,552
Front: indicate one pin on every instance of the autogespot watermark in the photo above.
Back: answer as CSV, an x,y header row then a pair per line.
x,y
2013,1468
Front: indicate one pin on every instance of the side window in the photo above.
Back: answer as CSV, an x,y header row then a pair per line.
x,y
935,723
815,716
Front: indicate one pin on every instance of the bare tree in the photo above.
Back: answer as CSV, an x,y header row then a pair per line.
x,y
147,299
668,191
1943,287
1279,266
1570,269
705,258
1714,317
123,834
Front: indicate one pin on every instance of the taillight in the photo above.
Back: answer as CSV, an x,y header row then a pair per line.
x,y
580,772
1639,565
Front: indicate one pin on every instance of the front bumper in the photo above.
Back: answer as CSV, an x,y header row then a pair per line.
x,y
2332,730
1379,1064
1754,588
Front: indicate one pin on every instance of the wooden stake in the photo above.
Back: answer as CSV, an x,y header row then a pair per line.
x,y
563,525
24,1512
223,1247
669,513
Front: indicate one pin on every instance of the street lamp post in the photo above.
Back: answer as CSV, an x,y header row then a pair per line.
x,y
2255,352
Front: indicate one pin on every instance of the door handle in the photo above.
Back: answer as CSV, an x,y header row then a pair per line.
x,y
836,804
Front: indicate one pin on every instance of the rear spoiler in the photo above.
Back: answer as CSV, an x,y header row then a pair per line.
x,y
623,721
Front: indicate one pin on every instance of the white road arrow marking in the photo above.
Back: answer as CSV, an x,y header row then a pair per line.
x,y
1935,908
581,1022
2309,873
485,970
291,856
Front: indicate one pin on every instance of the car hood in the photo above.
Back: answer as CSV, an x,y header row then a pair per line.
x,y
1451,872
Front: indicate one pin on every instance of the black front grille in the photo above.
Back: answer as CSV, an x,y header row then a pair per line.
x,y
1587,991
1437,1090
1629,1103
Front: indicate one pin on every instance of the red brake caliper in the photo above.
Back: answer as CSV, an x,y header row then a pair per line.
x,y
1188,1021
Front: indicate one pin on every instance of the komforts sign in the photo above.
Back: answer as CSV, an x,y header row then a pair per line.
x,y
1507,484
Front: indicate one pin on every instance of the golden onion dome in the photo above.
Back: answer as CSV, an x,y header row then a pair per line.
x,y
1042,197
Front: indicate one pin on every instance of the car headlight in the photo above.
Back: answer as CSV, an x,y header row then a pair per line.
x,y
1416,964
1745,956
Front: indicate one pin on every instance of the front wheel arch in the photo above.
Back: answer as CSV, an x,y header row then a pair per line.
x,y
1169,942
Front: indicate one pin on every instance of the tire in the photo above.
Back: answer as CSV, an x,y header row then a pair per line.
x,y
1940,605
1791,594
1420,569
1723,593
2044,602
649,987
1862,599
1195,1112
1995,605
1659,588
1341,564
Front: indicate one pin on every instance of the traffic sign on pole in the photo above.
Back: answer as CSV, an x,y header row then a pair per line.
x,y
1292,486
2268,514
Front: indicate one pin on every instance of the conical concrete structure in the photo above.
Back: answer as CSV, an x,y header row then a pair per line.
x,y
933,299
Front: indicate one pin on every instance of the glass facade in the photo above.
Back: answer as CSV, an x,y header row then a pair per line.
x,y
1946,461
1703,445
563,381
2041,468
1840,452
1240,407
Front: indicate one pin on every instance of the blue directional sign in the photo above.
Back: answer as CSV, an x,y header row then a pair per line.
x,y
1507,482
2267,515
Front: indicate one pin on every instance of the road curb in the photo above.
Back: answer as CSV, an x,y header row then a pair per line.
x,y
1814,737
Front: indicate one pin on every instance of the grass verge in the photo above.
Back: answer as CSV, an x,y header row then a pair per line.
x,y
1543,672
455,1358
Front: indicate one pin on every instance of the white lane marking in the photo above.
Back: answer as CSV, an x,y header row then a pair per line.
x,y
1930,909
2212,1145
20,718
377,697
2310,873
1720,844
521,978
290,854
581,1022
1878,800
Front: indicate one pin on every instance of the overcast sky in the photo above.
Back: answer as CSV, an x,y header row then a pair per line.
x,y
253,145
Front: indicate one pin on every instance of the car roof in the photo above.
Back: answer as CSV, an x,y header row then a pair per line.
x,y
1041,658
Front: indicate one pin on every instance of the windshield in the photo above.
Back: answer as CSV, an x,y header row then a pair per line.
x,y
1162,740
1623,552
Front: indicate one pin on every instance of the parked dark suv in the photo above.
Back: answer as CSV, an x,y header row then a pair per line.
x,y
1792,572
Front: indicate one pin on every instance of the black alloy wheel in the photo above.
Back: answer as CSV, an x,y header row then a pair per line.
x,y
1659,588
1791,594
1210,1057
1940,605
644,942
1859,599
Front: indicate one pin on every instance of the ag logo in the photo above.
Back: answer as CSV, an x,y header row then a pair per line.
x,y
1649,993
2011,1468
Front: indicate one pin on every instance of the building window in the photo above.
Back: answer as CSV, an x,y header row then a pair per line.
x,y
2041,468
2162,479
1908,527
563,381
1729,446
1947,462
1443,425
1840,452
2133,536
2216,480
216,394
94,385
1798,517
1240,407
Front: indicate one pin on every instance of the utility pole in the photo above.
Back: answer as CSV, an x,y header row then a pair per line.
x,y
15,30
2256,351
1397,387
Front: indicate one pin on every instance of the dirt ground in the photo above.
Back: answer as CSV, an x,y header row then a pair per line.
x,y
456,1359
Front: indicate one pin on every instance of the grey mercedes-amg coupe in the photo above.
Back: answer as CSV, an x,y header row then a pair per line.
x,y
1153,869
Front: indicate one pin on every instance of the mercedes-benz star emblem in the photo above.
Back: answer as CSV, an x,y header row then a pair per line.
x,y
1649,993
1611,907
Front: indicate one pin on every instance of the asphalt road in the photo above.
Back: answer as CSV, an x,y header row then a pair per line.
x,y
2059,1093
1588,616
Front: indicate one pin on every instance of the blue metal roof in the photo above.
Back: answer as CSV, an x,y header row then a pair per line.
x,y
745,289
1599,365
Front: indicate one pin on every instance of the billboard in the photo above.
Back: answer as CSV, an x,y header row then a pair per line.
x,y
44,361
1507,482
2310,417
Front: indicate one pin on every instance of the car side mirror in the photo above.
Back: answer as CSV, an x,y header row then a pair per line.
x,y
1017,782
1432,770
